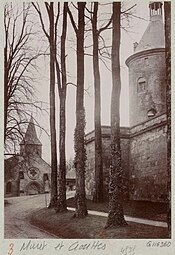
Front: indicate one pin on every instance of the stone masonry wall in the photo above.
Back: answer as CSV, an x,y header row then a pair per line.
x,y
144,161
147,84
43,168
148,162
21,186
90,165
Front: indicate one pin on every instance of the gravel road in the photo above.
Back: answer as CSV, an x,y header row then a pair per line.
x,y
16,212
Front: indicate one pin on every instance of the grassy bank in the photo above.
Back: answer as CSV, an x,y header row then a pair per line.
x,y
64,225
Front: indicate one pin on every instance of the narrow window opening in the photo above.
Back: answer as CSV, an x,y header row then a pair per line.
x,y
151,113
141,85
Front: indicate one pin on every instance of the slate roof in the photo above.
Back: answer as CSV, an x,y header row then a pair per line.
x,y
154,36
31,135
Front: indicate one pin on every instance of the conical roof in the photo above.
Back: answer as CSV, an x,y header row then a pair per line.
x,y
31,135
154,36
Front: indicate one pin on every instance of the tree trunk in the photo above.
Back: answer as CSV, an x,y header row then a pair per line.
x,y
80,152
53,201
116,215
98,196
62,205
5,89
167,9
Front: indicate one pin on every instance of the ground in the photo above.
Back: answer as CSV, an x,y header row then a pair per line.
x,y
28,217
17,213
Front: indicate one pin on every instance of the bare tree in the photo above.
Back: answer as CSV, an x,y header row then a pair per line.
x,y
62,89
80,152
19,68
98,196
115,215
51,39
167,10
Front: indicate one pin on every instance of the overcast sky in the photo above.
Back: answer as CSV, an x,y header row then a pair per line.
x,y
137,27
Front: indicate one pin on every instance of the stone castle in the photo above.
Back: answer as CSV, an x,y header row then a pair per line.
x,y
143,144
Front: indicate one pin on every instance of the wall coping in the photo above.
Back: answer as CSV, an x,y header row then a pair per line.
x,y
142,54
129,132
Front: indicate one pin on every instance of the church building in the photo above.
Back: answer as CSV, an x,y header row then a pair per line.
x,y
27,173
143,144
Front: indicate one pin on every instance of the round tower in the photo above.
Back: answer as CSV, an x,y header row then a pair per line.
x,y
147,71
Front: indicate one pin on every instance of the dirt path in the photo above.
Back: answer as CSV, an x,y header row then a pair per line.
x,y
16,212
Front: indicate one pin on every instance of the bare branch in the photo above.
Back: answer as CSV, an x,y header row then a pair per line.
x,y
72,21
107,25
41,19
130,8
75,85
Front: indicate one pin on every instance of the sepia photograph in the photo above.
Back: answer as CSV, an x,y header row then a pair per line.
x,y
87,123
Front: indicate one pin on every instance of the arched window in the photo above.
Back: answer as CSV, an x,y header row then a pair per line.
x,y
8,188
141,85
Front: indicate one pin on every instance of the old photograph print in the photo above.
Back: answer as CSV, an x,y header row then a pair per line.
x,y
87,121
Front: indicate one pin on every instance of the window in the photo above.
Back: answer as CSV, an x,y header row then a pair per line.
x,y
33,173
21,175
146,62
141,85
45,177
151,113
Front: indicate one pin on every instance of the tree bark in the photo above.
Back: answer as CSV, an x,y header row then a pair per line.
x,y
62,205
54,191
5,89
116,215
167,9
80,152
98,196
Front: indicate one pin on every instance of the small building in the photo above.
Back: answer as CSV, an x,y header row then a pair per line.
x,y
70,180
27,173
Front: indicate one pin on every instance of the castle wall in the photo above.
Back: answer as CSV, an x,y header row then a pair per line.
x,y
144,151
90,164
148,162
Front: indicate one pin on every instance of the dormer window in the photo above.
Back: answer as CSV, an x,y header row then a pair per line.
x,y
141,85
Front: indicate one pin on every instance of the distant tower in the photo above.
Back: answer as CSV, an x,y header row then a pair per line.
x,y
147,71
31,144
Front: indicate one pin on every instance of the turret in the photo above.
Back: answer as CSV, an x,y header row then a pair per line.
x,y
155,9
147,70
